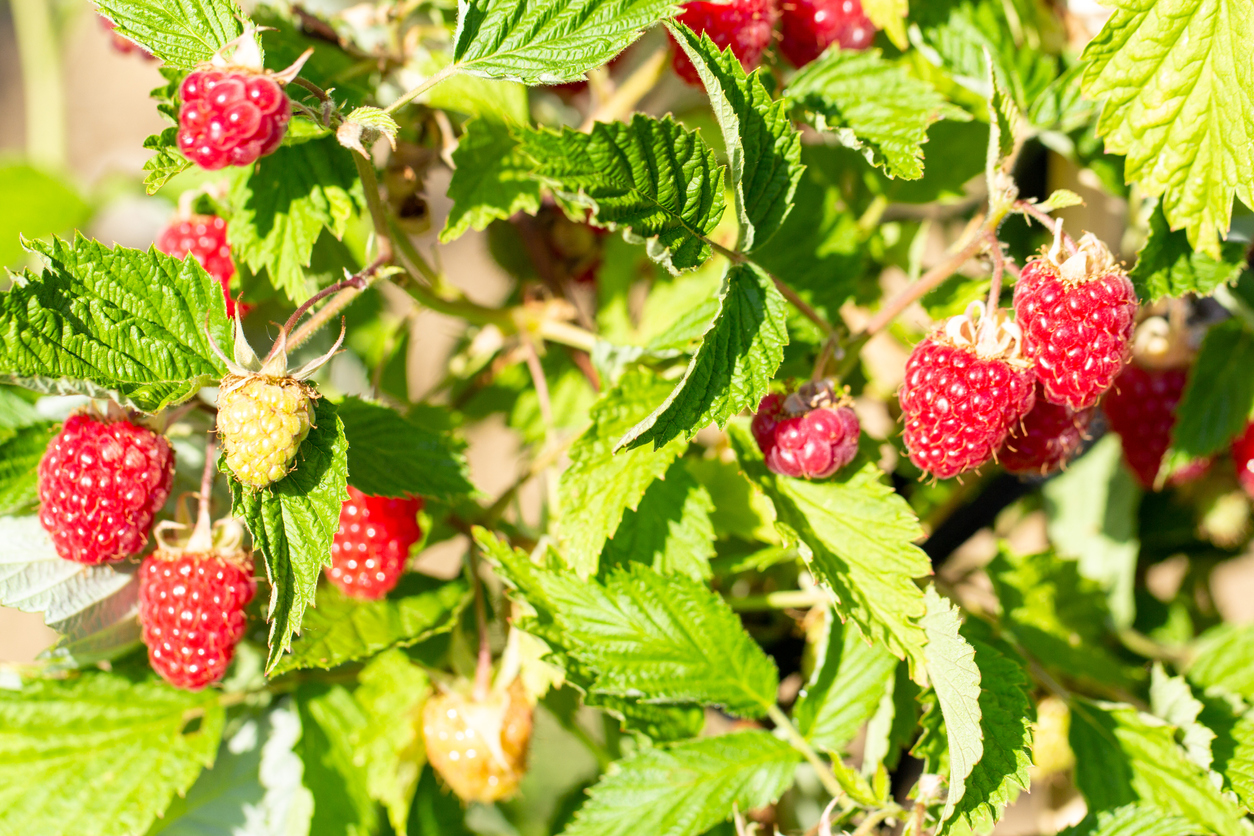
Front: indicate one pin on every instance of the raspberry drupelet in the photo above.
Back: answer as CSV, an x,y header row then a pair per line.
x,y
809,434
370,549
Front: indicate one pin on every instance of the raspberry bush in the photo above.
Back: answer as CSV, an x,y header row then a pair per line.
x,y
859,408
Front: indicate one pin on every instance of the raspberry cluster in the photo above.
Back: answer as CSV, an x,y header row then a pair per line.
x,y
808,434
372,545
231,116
191,607
809,27
479,746
101,482
1047,438
203,237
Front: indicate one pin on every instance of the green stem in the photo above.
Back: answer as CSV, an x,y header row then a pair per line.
x,y
836,779
872,821
799,599
427,83
43,87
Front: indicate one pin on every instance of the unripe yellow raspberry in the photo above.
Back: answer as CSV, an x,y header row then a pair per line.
x,y
262,421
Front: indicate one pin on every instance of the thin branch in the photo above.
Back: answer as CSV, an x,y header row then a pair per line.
x,y
792,599
1048,221
634,88
784,290
427,83
346,291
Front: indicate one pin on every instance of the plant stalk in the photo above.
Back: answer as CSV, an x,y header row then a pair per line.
x,y
426,84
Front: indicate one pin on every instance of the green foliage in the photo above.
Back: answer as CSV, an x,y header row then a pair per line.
x,y
671,531
1132,820
182,33
845,689
1168,266
21,449
492,180
1219,397
1221,658
34,203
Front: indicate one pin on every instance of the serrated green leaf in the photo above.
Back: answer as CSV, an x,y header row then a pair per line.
x,y
1172,700
20,452
548,42
1221,658
732,368
182,33
657,638
114,323
1168,266
844,690
763,148
955,677
1218,399
687,788
391,695
671,531
282,204
435,811
98,753
166,163
492,181
293,522
1124,756
1132,820
652,177
342,629
34,203
1173,81
391,456
857,536
599,486
1233,749
872,106
1006,716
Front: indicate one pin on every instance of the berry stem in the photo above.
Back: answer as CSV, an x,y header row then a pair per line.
x,y
1046,220
784,290
346,291
852,785
483,665
202,534
989,322
426,84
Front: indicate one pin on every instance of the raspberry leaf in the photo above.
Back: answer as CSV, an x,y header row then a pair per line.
x,y
391,694
341,629
845,688
872,106
550,41
1219,397
687,788
182,33
659,638
599,485
764,149
731,369
1221,658
1172,699
293,522
335,771
283,203
857,536
670,531
652,177
20,452
1131,820
1174,91
1168,266
391,456
63,740
1124,756
1233,748
164,165
113,322
492,180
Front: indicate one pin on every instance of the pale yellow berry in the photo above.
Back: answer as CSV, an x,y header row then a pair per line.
x,y
262,422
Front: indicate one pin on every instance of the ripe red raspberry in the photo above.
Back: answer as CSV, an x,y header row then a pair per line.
x,y
231,116
808,27
1077,318
809,434
191,606
1243,458
1141,407
1046,439
204,237
101,482
964,390
744,25
479,747
369,551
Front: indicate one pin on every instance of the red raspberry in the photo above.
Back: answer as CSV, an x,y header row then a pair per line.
x,y
809,434
1142,409
121,44
808,27
1077,319
1243,458
1046,439
744,25
961,398
369,551
204,237
100,485
191,606
231,117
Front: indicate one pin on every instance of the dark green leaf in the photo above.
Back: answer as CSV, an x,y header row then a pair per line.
x,y
1219,397
670,532
1168,266
492,180
845,688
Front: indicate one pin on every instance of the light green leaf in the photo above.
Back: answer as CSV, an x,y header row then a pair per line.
x,y
391,456
34,203
1132,820
845,688
652,177
872,106
492,181
599,486
1168,266
732,368
182,33
20,452
1172,700
1219,397
955,677
889,15
857,536
1222,657
166,163
391,695
114,323
548,42
1173,79
657,638
763,148
1091,510
99,753
342,629
293,522
1233,749
485,98
670,532
1124,756
687,788
331,723
282,204
254,786
892,727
